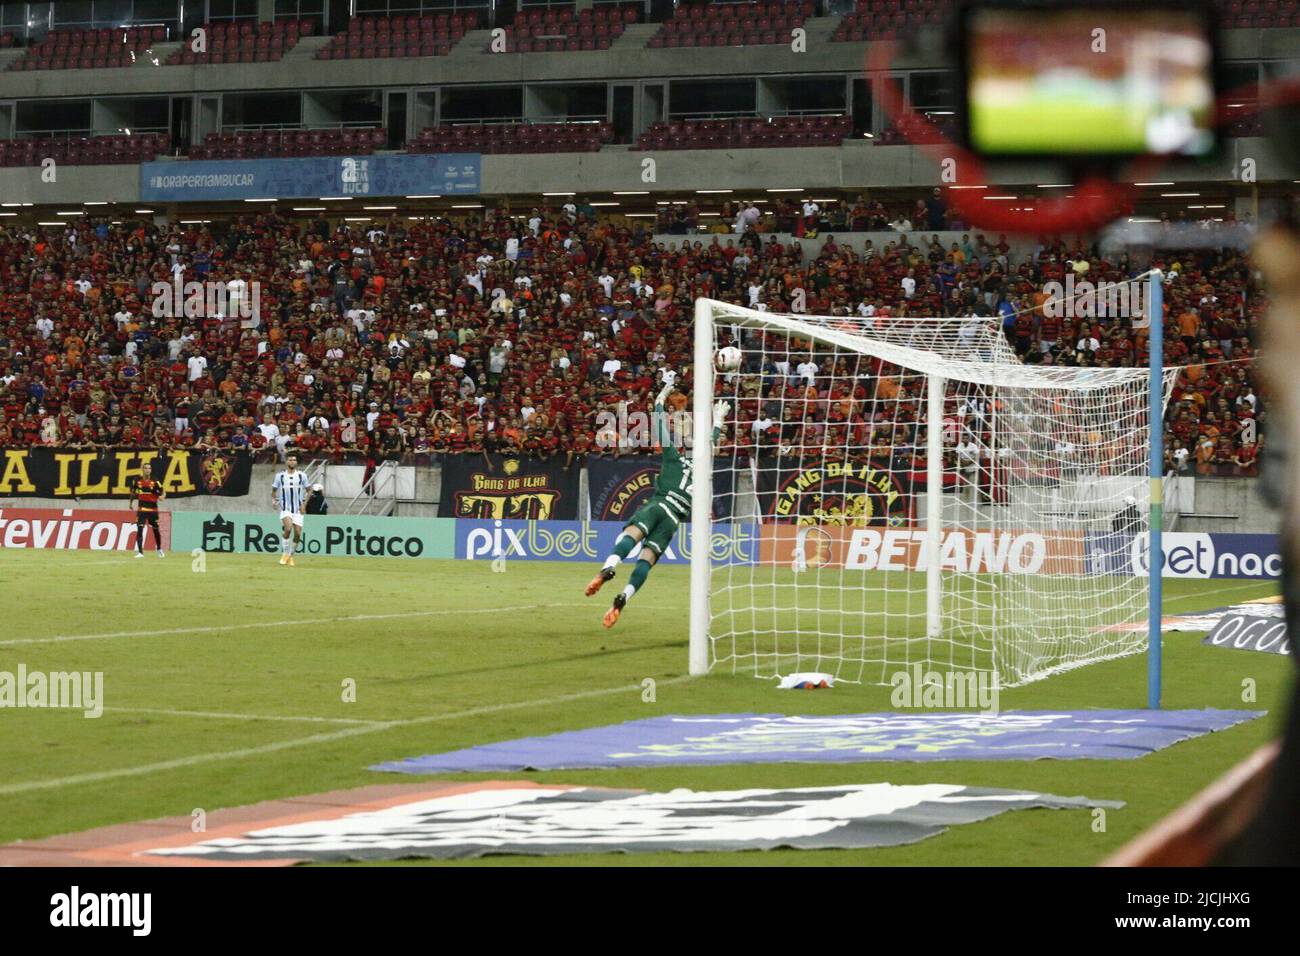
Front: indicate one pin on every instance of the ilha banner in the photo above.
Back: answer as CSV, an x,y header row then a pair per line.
x,y
513,488
78,473
852,492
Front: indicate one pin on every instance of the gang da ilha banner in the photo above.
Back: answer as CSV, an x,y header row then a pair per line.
x,y
77,473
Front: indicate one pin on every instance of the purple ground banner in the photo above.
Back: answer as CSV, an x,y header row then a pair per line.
x,y
845,738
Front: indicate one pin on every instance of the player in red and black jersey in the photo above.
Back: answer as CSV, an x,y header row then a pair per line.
x,y
146,493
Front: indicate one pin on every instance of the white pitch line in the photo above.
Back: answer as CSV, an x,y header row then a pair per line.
x,y
179,763
1227,590
208,629
227,716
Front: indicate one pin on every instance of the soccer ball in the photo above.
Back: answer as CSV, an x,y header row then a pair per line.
x,y
727,359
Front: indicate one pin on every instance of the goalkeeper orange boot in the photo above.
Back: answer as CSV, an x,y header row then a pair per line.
x,y
291,564
612,615
284,559
606,574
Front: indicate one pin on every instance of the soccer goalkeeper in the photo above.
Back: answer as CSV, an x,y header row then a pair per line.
x,y
655,523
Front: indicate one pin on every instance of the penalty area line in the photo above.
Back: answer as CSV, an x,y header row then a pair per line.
x,y
194,760
255,625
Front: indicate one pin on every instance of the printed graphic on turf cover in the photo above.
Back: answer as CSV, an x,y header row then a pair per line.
x,y
843,738
1252,632
543,821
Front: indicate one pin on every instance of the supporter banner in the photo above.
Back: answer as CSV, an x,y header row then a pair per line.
x,y
77,473
833,493
1189,554
590,541
312,177
514,488
76,529
336,536
617,487
903,549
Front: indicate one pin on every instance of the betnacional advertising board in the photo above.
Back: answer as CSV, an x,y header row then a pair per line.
x,y
1189,554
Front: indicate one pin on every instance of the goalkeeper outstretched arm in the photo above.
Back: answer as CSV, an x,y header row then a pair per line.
x,y
720,412
655,524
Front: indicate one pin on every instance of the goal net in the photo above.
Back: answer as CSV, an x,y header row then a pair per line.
x,y
909,492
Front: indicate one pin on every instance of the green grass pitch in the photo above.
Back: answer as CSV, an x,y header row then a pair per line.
x,y
225,688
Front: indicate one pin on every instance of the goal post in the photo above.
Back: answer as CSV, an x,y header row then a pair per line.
x,y
702,495
934,388
910,492
1157,397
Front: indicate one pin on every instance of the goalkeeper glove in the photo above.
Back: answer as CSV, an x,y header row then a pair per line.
x,y
720,412
669,378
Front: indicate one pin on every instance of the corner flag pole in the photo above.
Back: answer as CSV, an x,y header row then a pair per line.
x,y
1155,421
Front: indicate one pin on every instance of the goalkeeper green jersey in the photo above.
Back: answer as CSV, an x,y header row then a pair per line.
x,y
676,474
675,481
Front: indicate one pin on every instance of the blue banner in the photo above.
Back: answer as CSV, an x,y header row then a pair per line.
x,y
1188,554
844,738
483,540
311,177
619,486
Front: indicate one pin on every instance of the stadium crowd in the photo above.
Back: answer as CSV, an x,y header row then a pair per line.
x,y
530,334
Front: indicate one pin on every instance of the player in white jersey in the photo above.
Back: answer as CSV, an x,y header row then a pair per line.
x,y
289,492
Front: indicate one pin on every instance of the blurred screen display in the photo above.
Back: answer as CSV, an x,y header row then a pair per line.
x,y
1100,81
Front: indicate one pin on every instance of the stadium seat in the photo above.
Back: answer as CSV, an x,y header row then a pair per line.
x,y
400,36
560,29
784,131
243,42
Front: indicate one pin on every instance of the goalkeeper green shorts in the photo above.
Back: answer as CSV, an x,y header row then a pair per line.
x,y
658,523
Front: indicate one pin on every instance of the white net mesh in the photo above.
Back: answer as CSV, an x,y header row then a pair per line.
x,y
825,457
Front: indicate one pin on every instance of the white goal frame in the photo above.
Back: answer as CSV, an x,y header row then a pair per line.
x,y
996,365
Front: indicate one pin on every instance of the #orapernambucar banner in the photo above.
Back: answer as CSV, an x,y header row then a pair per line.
x,y
78,473
511,488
